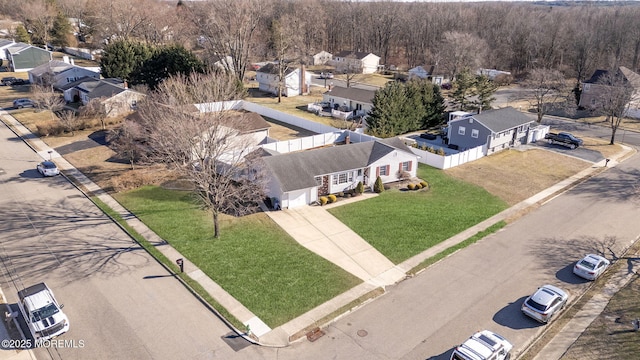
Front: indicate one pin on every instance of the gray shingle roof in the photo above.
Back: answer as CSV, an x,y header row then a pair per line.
x,y
629,76
298,170
54,67
502,119
272,68
361,95
5,42
105,89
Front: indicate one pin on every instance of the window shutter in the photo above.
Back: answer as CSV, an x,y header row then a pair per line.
x,y
400,167
410,165
377,171
388,170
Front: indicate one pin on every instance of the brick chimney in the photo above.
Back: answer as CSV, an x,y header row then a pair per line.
x,y
303,82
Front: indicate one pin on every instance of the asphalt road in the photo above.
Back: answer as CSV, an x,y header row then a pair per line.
x,y
121,303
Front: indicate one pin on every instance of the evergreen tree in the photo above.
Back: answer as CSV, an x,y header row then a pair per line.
x,y
22,35
433,104
485,89
122,57
387,112
166,61
378,186
60,31
463,89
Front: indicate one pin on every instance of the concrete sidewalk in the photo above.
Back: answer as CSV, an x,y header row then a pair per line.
x,y
317,230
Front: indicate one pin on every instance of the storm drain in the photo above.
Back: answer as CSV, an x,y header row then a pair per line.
x,y
235,341
362,333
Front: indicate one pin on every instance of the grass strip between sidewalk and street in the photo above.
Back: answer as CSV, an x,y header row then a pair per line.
x,y
193,285
254,260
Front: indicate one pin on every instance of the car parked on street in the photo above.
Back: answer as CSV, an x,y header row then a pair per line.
x,y
483,345
48,168
23,103
544,303
326,75
591,266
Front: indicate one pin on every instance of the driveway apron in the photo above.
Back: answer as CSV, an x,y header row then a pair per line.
x,y
317,230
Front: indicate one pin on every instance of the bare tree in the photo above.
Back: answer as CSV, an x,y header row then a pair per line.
x,y
285,42
228,29
47,99
208,147
546,88
462,51
38,17
616,97
69,120
95,109
129,141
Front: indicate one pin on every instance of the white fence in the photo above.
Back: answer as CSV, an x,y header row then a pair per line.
x,y
452,160
330,135
81,53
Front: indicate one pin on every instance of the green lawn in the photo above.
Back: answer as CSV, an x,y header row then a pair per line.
x,y
254,260
401,224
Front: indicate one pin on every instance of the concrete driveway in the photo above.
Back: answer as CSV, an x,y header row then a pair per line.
x,y
317,230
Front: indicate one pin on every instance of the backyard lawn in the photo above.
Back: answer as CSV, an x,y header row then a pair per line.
x,y
401,224
254,260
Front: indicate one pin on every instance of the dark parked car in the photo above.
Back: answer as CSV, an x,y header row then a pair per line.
x,y
7,81
428,136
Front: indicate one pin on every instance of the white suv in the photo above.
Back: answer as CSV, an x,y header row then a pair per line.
x,y
483,345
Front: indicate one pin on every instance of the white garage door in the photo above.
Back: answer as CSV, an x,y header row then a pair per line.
x,y
298,198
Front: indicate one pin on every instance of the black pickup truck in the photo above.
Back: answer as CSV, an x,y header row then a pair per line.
x,y
564,139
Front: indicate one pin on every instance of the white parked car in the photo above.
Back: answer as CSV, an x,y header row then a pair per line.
x,y
22,103
544,303
48,168
483,345
591,266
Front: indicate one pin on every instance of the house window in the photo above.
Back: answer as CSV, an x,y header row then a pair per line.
x,y
475,133
342,178
406,166
585,87
383,171
461,130
359,172
593,101
134,104
319,180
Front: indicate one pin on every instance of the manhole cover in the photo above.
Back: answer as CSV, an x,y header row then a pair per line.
x,y
362,333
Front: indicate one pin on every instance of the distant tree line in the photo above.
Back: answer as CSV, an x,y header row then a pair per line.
x,y
574,38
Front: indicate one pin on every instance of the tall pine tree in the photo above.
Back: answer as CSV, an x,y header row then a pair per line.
x,y
485,89
122,57
463,90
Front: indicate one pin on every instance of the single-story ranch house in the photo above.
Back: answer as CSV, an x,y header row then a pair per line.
x,y
300,178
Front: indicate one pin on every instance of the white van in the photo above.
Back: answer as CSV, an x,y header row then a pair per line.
x,y
483,345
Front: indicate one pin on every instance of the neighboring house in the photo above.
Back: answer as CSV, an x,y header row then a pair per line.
x,y
497,129
251,126
321,58
296,80
24,57
592,90
114,96
418,72
358,101
356,62
430,72
299,178
58,73
4,44
224,64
